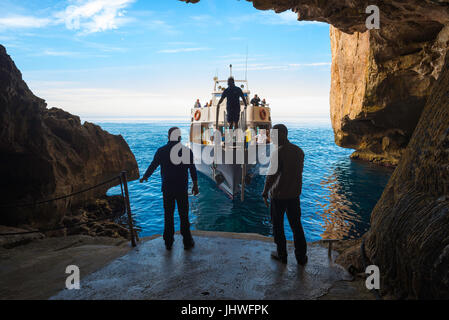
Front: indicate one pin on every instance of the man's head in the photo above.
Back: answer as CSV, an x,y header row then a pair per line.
x,y
174,134
282,133
231,81
255,96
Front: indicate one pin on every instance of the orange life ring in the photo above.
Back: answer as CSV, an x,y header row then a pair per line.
x,y
262,114
197,115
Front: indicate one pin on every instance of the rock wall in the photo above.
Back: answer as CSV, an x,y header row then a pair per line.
x,y
378,91
47,153
409,234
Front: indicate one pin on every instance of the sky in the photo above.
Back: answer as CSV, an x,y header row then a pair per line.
x,y
138,59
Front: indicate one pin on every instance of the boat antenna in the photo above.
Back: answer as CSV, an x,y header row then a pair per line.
x,y
230,67
246,64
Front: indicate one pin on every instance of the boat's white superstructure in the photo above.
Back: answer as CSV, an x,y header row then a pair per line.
x,y
254,125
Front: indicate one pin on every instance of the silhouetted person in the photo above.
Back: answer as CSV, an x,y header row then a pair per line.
x,y
263,103
284,188
232,94
255,101
174,173
197,103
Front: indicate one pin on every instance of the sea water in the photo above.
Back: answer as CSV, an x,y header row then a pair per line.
x,y
337,198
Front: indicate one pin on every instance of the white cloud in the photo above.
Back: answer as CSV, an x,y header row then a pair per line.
x,y
87,16
265,66
272,18
287,18
179,50
18,21
91,16
314,64
55,53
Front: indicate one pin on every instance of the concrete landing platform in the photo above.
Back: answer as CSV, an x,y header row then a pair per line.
x,y
221,266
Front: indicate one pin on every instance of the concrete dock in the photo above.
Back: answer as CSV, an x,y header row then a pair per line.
x,y
221,266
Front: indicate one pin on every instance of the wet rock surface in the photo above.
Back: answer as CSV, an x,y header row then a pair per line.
x,y
48,153
38,270
221,266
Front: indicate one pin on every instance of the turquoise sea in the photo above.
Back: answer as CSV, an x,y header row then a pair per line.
x,y
337,198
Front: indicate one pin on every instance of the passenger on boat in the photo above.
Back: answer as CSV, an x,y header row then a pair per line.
x,y
255,101
284,188
232,94
207,105
197,103
261,138
264,103
175,186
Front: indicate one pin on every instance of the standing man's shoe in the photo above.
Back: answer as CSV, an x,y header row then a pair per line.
x,y
190,245
168,246
277,257
303,261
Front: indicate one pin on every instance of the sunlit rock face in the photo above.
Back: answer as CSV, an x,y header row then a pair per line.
x,y
47,153
378,92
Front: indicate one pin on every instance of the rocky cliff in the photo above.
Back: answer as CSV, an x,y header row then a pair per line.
x,y
47,153
409,235
379,88
390,86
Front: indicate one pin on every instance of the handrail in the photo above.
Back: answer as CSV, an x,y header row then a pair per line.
x,y
32,204
125,194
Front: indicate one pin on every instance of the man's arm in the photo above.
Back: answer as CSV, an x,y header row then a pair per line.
x,y
193,175
243,97
153,166
221,100
272,176
223,96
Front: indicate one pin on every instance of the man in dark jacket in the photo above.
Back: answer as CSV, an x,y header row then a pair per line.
x,y
255,101
232,94
284,188
174,167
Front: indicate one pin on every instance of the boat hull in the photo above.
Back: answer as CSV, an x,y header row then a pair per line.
x,y
227,176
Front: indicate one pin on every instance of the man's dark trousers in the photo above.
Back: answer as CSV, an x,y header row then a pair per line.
x,y
293,209
182,200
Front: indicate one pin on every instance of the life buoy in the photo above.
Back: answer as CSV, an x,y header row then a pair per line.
x,y
262,114
197,115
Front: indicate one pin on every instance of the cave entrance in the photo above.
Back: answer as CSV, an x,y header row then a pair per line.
x,y
289,64
293,73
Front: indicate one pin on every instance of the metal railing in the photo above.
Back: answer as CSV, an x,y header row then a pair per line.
x,y
127,205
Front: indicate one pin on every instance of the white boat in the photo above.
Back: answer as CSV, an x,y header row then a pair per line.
x,y
255,125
